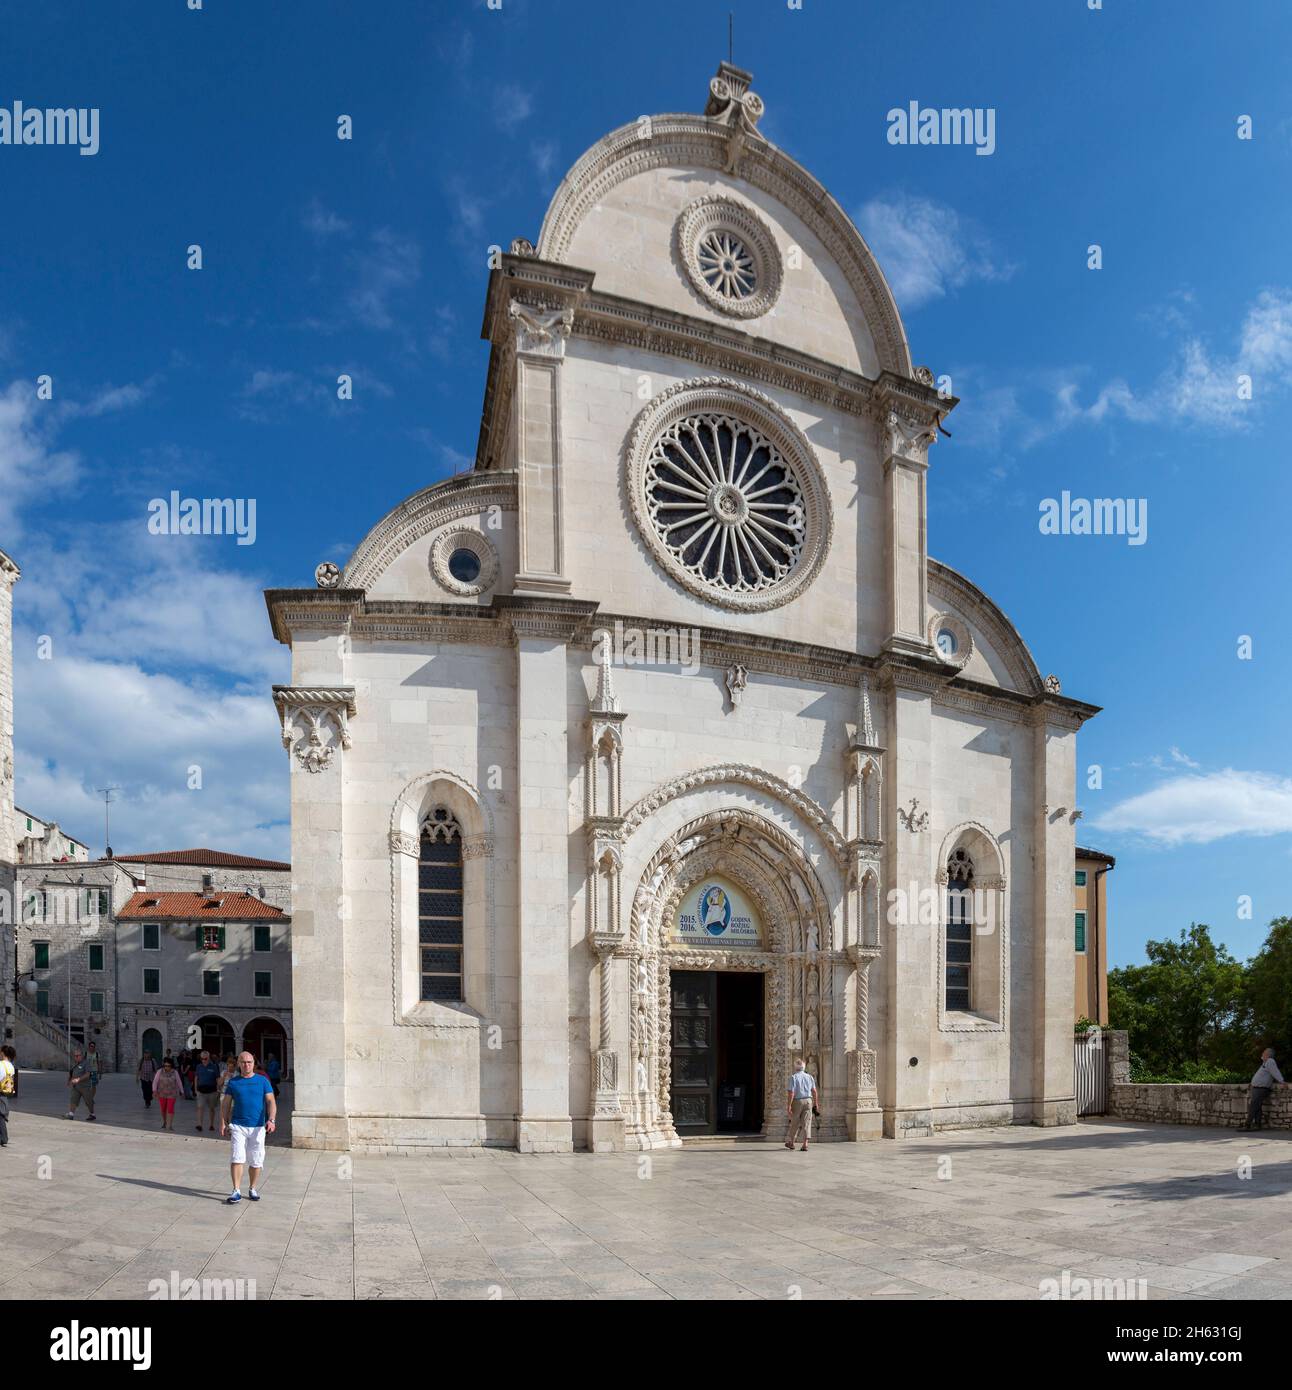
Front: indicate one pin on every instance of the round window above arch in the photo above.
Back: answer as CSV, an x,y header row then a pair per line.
x,y
464,562
728,494
951,639
730,256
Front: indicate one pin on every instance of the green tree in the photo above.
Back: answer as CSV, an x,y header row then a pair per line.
x,y
1267,993
1185,1006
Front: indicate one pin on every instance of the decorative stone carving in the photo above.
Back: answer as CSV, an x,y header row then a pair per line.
x,y
913,819
730,256
745,552
923,375
737,679
401,843
447,544
327,575
802,805
307,714
522,247
1052,685
909,439
733,105
541,332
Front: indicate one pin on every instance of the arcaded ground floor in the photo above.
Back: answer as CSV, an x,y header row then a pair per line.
x,y
100,1210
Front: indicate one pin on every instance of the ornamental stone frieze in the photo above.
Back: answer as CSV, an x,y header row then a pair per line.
x,y
315,722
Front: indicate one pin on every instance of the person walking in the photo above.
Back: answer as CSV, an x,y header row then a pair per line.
x,y
248,1109
92,1057
801,1105
206,1083
144,1074
229,1072
82,1084
8,1089
1267,1077
168,1088
185,1069
274,1071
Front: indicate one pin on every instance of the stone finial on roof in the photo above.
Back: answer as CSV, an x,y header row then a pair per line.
x,y
735,106
865,720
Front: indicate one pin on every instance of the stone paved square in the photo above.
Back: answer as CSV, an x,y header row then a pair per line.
x,y
124,1203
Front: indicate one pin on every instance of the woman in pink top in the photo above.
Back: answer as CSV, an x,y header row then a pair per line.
x,y
168,1088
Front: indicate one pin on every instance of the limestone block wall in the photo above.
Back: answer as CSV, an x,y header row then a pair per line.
x,y
606,558
1224,1106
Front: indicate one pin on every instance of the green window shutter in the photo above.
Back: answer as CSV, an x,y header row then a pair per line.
x,y
221,938
199,936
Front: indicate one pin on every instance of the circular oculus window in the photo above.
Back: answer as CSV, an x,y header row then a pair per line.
x,y
464,562
951,639
728,495
730,256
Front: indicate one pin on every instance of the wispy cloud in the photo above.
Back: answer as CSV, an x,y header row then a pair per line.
x,y
926,249
390,263
1197,809
544,156
512,106
31,465
322,223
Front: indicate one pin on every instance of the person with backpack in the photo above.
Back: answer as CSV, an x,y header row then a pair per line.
x,y
82,1082
8,1089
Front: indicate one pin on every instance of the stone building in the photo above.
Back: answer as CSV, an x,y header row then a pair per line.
x,y
45,842
655,750
1090,934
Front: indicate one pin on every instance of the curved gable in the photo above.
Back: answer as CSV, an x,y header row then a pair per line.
x,y
615,211
1000,656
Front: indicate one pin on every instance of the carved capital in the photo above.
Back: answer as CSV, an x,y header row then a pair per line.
x,y
314,722
477,847
541,332
400,843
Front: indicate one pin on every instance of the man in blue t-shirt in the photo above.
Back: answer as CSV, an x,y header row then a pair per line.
x,y
247,1109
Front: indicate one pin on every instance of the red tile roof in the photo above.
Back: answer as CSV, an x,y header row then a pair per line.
x,y
195,907
208,858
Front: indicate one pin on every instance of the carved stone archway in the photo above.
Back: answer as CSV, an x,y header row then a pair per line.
x,y
799,963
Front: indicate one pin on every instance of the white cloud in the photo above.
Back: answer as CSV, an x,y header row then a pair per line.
x,y
30,466
322,222
390,264
927,249
512,106
544,153
1190,809
160,661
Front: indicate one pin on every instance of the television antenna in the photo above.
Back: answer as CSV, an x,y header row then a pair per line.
x,y
106,794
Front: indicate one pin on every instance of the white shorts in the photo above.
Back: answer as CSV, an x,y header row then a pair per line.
x,y
247,1145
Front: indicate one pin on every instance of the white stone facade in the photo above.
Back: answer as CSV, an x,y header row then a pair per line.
x,y
856,720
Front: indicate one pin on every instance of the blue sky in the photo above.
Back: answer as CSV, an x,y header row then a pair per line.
x,y
1116,127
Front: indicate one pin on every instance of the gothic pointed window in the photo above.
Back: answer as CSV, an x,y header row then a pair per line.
x,y
439,913
959,940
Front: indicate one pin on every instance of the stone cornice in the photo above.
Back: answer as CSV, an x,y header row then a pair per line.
x,y
554,617
633,323
9,571
296,610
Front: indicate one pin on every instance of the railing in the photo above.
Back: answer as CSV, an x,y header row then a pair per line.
x,y
48,1029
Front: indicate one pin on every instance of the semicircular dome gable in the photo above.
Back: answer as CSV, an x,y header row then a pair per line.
x,y
967,600
701,147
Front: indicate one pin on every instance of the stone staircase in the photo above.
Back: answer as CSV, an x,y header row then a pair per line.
x,y
43,1042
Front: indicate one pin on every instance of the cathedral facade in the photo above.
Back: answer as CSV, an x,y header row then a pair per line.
x,y
655,751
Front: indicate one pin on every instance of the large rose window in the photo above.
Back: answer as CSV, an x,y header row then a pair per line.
x,y
728,495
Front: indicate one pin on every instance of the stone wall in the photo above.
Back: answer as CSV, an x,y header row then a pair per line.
x,y
1223,1106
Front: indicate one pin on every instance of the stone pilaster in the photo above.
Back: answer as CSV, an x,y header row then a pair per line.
x,y
908,947
539,350
9,575
1053,963
315,731
542,631
906,557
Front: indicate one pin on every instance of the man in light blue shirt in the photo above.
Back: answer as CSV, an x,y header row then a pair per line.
x,y
801,1101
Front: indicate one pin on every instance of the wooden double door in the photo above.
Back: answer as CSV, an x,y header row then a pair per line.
x,y
716,1051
